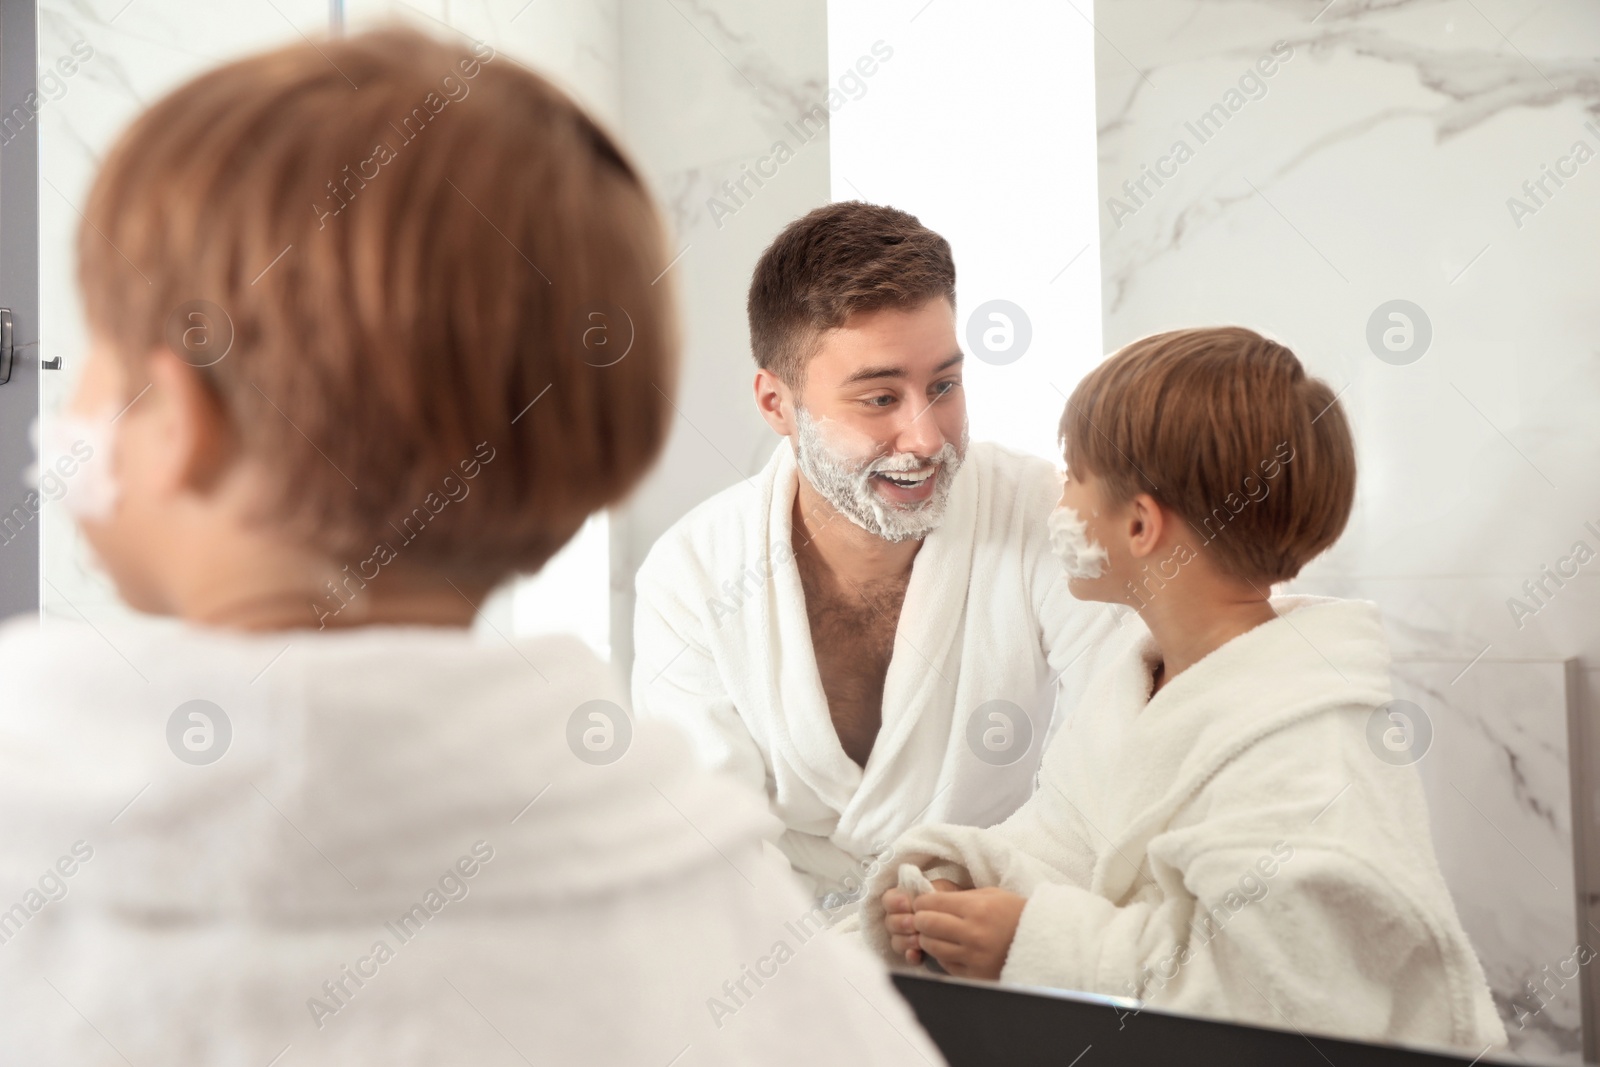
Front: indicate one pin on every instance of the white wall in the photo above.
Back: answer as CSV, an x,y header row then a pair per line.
x,y
982,125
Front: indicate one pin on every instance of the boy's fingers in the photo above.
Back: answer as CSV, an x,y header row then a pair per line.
x,y
903,942
896,900
951,903
939,925
950,954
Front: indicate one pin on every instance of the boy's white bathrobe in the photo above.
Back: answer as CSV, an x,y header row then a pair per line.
x,y
1231,847
723,649
413,788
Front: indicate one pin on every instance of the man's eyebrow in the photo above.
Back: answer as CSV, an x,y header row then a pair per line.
x,y
868,374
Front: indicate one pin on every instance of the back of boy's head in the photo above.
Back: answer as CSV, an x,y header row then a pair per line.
x,y
1224,427
422,252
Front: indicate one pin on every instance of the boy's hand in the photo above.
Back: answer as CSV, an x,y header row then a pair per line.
x,y
969,932
897,918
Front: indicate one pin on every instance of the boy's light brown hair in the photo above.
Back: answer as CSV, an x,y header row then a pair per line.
x,y
838,260
1224,427
422,254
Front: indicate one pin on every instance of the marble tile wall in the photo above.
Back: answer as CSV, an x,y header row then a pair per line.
x,y
135,52
1298,165
1494,762
709,86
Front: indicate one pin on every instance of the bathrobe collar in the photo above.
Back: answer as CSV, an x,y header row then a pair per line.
x,y
932,615
1318,654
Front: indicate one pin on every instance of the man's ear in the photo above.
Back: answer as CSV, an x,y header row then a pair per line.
x,y
1146,523
776,402
193,439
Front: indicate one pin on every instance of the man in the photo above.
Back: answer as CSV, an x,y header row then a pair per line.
x,y
873,631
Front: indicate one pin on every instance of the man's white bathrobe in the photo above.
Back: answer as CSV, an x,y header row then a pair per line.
x,y
723,649
402,858
1231,847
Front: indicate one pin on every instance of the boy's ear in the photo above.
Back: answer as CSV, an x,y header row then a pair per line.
x,y
1146,523
192,426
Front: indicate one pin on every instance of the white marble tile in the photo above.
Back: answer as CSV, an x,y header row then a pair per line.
x,y
140,50
1377,165
1496,776
1379,161
708,86
575,43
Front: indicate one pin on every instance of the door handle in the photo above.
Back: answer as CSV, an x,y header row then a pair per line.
x,y
7,351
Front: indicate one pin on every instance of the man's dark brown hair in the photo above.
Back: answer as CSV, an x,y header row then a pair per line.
x,y
1224,427
399,311
838,260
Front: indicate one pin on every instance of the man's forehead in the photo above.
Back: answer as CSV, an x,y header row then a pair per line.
x,y
888,344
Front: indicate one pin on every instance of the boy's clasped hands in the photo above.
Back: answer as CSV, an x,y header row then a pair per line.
x,y
969,931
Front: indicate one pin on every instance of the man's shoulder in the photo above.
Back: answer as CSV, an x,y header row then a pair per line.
x,y
714,534
1010,478
1005,461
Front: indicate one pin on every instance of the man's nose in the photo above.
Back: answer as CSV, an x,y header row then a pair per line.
x,y
920,433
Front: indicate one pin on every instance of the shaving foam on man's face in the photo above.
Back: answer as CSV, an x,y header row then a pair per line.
x,y
898,497
880,421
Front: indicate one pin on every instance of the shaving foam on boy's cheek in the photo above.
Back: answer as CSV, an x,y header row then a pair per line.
x,y
75,464
1069,539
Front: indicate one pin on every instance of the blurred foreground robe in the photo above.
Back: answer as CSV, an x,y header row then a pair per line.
x,y
399,858
1232,846
988,638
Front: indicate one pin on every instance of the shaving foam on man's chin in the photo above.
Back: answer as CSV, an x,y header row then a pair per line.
x,y
1079,554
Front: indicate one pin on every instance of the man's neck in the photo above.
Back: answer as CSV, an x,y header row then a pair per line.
x,y
829,543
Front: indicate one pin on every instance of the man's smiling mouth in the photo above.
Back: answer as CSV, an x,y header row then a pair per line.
x,y
906,479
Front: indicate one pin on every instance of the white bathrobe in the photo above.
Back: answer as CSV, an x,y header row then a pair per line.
x,y
723,649
411,787
1231,847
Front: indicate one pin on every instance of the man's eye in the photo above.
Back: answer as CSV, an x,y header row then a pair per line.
x,y
885,398
945,387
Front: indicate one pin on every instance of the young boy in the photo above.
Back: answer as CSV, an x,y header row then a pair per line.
x,y
345,378
1212,832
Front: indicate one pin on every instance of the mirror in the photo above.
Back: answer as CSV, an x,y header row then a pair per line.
x,y
1396,192
1400,193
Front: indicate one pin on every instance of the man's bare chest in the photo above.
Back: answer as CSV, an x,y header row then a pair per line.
x,y
853,636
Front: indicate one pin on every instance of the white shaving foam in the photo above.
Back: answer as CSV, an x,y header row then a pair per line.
x,y
844,477
90,491
1070,541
